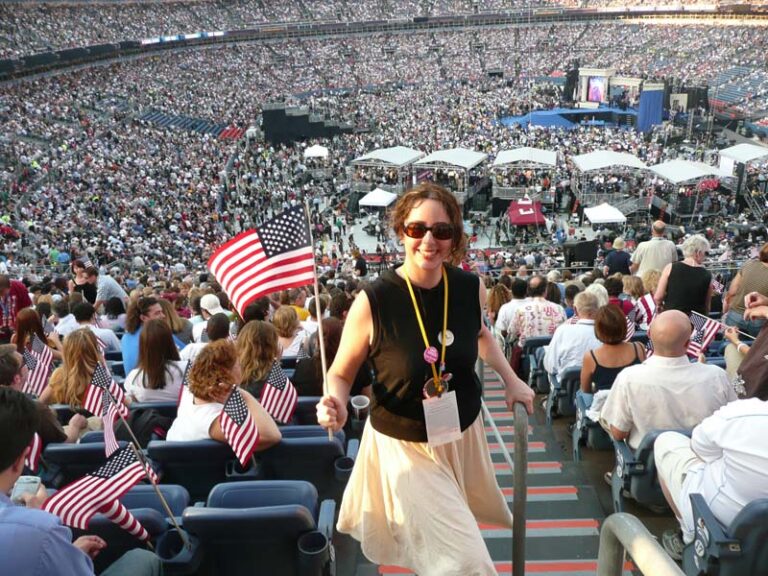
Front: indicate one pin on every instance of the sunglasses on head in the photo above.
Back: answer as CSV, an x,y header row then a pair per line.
x,y
441,230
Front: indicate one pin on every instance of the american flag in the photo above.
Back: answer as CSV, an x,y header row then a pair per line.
x,y
38,360
276,256
104,397
184,381
302,353
704,331
48,328
648,348
631,318
98,491
717,286
646,309
121,516
239,427
278,396
32,460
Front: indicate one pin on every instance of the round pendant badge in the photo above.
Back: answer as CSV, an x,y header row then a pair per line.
x,y
430,355
448,337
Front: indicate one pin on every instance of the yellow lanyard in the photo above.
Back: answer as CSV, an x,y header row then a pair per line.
x,y
436,376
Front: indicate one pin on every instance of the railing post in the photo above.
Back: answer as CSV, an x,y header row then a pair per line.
x,y
622,532
520,483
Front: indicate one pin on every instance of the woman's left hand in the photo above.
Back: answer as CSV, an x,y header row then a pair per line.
x,y
519,391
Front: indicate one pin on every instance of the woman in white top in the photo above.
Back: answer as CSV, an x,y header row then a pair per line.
x,y
289,331
159,373
211,378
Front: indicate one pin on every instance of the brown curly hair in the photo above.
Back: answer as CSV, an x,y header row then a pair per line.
x,y
429,191
212,366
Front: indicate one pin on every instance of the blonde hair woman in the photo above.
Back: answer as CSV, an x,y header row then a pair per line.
x,y
181,327
289,331
257,350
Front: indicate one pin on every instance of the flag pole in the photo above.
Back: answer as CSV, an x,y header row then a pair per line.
x,y
722,324
140,455
318,310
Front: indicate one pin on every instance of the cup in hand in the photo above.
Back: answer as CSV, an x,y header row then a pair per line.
x,y
360,406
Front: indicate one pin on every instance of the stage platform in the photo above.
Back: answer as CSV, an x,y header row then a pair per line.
x,y
574,117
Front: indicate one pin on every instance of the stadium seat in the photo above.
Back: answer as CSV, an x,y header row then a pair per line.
x,y
306,410
64,413
168,409
120,541
314,459
733,550
65,463
635,473
531,365
198,465
587,431
113,356
145,496
562,392
117,368
264,527
640,336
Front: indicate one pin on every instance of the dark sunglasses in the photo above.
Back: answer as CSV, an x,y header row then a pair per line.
x,y
441,230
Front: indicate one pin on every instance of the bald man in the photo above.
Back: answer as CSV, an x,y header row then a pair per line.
x,y
667,391
654,254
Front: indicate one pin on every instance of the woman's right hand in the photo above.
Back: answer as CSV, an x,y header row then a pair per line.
x,y
755,299
331,413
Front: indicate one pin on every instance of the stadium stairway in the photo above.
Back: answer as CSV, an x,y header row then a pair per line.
x,y
563,511
220,130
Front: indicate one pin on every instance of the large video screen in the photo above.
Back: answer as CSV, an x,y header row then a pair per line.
x,y
596,89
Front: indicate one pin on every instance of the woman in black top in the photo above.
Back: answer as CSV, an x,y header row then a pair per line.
x,y
409,502
686,285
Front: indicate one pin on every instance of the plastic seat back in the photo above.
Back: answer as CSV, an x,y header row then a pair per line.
x,y
570,382
198,465
254,527
69,462
144,496
306,410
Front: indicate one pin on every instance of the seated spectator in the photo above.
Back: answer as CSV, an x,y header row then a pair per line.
x,y
140,311
752,373
614,287
213,376
599,367
79,282
310,324
297,299
497,297
114,314
570,294
667,391
600,292
535,317
571,341
33,542
159,373
181,327
257,350
65,321
633,287
507,312
308,377
289,331
724,460
13,374
28,324
217,328
752,277
340,305
646,305
85,315
70,380
209,305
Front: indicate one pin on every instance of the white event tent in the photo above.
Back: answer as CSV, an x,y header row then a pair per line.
x,y
744,153
679,171
316,151
527,156
378,198
604,214
395,156
457,157
603,159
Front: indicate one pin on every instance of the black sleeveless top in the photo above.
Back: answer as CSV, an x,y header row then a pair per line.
x,y
603,376
397,350
687,288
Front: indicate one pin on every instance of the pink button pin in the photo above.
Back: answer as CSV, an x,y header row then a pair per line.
x,y
430,355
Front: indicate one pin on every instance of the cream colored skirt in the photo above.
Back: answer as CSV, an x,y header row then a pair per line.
x,y
419,507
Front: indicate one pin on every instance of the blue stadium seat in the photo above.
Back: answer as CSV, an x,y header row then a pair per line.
x,y
144,496
264,527
65,463
531,366
113,356
562,392
117,368
635,473
587,431
735,550
306,410
314,459
168,409
198,466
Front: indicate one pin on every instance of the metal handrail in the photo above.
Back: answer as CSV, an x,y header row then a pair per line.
x,y
623,532
519,466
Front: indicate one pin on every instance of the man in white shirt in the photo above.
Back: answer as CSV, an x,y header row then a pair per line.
x,y
209,306
67,322
667,391
571,341
507,311
654,254
85,315
724,461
